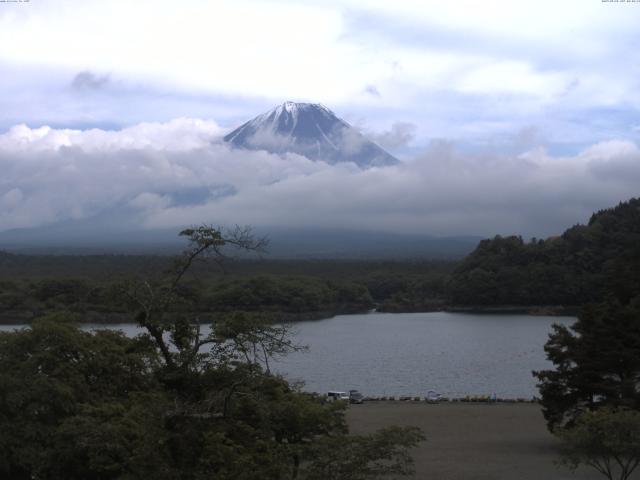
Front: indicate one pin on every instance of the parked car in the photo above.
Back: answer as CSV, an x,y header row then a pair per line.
x,y
335,395
433,397
355,396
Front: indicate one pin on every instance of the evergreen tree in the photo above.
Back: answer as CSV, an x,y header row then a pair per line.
x,y
597,363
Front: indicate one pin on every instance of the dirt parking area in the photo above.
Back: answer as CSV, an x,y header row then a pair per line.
x,y
473,441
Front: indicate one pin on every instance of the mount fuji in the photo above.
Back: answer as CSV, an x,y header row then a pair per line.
x,y
312,130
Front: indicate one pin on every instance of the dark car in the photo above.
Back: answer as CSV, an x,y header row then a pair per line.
x,y
355,396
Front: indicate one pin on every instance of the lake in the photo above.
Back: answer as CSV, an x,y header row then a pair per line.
x,y
454,354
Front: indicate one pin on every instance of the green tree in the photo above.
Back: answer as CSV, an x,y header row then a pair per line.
x,y
173,403
54,374
607,440
226,390
583,265
157,302
597,363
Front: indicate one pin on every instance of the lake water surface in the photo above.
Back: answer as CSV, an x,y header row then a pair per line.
x,y
453,354
411,353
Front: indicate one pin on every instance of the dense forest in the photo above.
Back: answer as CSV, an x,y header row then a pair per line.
x,y
294,289
558,275
581,266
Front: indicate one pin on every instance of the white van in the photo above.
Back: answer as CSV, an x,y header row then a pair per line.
x,y
333,396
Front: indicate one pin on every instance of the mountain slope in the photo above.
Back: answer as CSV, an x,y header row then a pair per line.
x,y
89,237
311,130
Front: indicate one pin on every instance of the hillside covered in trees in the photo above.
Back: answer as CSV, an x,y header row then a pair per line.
x,y
582,265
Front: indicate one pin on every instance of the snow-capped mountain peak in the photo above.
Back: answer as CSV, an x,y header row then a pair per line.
x,y
309,129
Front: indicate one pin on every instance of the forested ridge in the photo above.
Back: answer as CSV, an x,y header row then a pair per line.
x,y
581,266
573,269
297,289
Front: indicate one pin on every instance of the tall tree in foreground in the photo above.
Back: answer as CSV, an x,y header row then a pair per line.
x,y
175,402
597,363
159,303
221,382
591,401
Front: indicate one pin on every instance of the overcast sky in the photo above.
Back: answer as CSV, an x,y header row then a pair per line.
x,y
508,116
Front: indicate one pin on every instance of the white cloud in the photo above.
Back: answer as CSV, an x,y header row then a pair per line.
x,y
142,172
181,134
399,135
228,46
512,78
305,50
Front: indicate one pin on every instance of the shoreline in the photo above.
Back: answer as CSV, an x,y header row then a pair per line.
x,y
534,310
467,399
21,317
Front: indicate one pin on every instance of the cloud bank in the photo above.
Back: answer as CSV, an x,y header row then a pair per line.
x,y
180,172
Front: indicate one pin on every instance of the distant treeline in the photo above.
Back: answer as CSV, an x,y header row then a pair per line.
x,y
31,286
296,297
583,265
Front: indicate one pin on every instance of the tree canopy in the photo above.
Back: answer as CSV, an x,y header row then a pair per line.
x,y
583,265
173,403
607,440
597,362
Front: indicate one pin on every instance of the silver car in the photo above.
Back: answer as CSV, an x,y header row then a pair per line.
x,y
335,395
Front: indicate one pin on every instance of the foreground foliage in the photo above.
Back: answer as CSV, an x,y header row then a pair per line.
x,y
176,402
591,399
597,363
607,440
